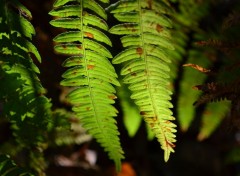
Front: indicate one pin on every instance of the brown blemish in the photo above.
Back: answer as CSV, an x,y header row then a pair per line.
x,y
167,122
112,97
139,51
130,27
159,28
151,125
89,35
170,144
149,4
154,118
134,74
90,67
79,47
142,113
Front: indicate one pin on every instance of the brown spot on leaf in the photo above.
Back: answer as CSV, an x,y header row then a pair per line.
x,y
142,113
133,30
154,118
149,4
88,108
134,74
167,122
90,67
89,35
159,28
64,46
79,47
112,97
130,27
139,51
170,144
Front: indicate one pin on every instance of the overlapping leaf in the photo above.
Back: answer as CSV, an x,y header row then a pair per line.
x,y
183,30
21,92
147,40
90,70
186,110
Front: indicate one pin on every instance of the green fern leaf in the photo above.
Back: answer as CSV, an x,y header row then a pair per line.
x,y
146,62
90,70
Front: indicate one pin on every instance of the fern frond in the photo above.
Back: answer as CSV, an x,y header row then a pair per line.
x,y
60,133
186,112
224,46
212,116
90,70
9,168
217,91
21,90
183,29
147,40
231,20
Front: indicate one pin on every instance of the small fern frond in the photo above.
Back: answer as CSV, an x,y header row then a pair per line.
x,y
224,46
212,117
66,129
9,168
90,70
216,92
22,94
147,40
232,19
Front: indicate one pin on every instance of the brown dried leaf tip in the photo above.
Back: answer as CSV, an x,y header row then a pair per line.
x,y
197,67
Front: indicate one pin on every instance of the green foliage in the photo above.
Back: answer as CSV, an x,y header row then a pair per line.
x,y
9,168
24,102
66,129
157,41
21,91
186,110
131,117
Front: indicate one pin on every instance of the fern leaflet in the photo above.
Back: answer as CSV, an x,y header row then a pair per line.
x,y
147,40
90,70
